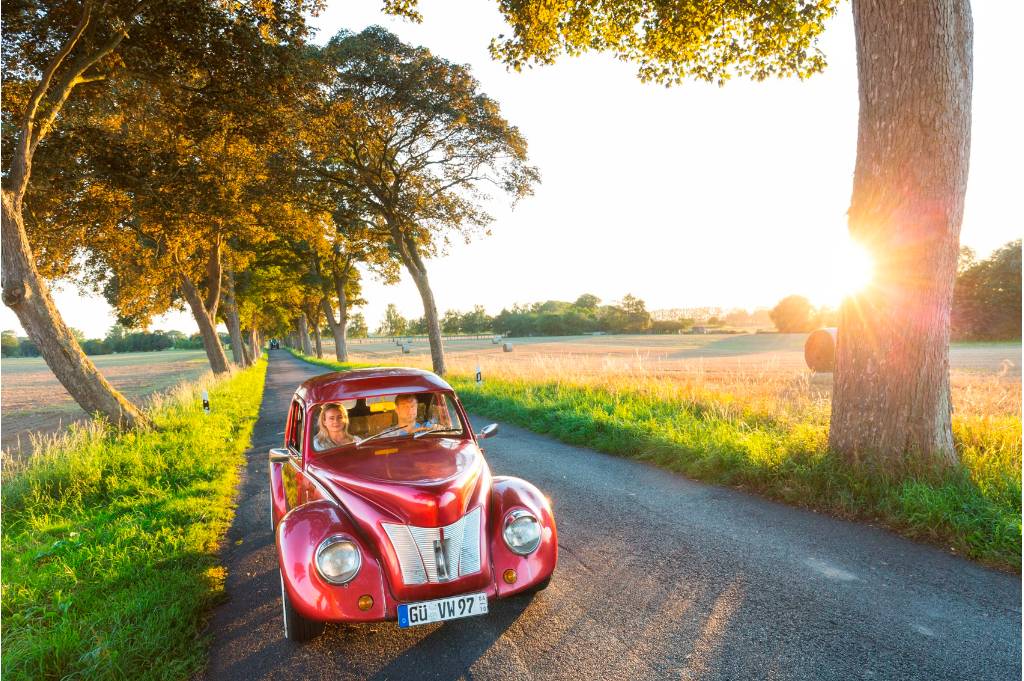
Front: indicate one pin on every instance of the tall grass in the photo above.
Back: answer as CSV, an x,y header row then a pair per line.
x,y
767,431
110,540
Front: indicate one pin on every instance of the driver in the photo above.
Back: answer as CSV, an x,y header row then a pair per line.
x,y
405,407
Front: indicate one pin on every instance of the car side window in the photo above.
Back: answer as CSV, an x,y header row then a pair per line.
x,y
295,424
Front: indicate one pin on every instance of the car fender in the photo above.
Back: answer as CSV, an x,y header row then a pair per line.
x,y
508,494
298,535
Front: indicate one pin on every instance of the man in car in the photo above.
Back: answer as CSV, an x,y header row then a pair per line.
x,y
405,407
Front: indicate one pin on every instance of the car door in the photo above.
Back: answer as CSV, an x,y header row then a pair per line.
x,y
291,472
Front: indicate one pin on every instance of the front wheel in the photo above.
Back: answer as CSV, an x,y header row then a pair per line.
x,y
297,628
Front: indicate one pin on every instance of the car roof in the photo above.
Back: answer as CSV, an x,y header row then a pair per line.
x,y
347,385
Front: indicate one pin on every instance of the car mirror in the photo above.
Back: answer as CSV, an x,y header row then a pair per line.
x,y
279,455
487,431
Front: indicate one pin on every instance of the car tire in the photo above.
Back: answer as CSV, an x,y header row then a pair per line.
x,y
297,629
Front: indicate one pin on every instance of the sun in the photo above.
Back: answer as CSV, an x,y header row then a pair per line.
x,y
849,270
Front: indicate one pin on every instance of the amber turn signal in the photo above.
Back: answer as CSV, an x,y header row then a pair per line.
x,y
365,602
509,576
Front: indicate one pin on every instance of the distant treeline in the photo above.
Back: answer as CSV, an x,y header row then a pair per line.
x,y
118,339
562,318
987,296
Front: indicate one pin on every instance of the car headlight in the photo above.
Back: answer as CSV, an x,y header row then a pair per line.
x,y
338,560
522,532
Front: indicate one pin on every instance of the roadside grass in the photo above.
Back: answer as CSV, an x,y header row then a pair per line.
x,y
110,540
768,433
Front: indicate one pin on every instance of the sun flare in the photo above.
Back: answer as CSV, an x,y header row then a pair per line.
x,y
849,271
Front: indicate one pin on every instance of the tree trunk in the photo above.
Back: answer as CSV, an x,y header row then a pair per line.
x,y
25,292
207,327
891,405
317,343
247,355
256,345
233,323
339,329
414,264
312,311
303,328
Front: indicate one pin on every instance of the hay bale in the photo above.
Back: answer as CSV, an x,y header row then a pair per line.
x,y
405,348
820,350
496,340
507,347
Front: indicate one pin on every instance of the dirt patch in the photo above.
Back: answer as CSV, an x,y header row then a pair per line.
x,y
34,402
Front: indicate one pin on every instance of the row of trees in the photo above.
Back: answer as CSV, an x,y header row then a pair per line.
x,y
204,155
118,339
192,147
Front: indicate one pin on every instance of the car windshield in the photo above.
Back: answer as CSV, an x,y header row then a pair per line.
x,y
351,422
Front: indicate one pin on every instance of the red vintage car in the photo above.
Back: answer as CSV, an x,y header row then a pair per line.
x,y
405,522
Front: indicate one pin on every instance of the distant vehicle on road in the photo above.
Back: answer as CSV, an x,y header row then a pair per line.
x,y
274,344
404,522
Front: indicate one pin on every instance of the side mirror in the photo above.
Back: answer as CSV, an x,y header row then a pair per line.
x,y
279,455
487,431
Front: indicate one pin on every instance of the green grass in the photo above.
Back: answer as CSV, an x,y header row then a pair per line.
x,y
110,540
974,509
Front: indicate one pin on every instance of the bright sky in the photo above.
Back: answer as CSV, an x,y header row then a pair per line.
x,y
690,196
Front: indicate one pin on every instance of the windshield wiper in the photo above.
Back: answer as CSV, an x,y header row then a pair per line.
x,y
437,429
386,431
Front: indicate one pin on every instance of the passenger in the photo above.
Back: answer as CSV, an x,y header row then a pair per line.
x,y
405,408
333,428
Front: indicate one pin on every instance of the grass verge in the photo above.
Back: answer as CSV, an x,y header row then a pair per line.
x,y
974,509
110,540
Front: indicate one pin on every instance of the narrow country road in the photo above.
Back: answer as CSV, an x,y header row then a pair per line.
x,y
658,577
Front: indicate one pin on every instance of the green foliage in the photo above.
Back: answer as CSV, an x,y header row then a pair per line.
x,y
393,324
586,315
987,296
794,314
710,41
110,541
9,345
357,326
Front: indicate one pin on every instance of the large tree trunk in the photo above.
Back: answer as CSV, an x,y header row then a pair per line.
x,y
25,292
207,326
233,323
247,355
312,311
414,264
339,329
891,404
303,329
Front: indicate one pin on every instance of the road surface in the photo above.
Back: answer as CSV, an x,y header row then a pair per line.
x,y
659,577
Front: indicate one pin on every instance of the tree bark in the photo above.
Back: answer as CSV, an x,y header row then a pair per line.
x,y
303,329
233,323
26,292
247,355
207,326
313,315
339,329
891,405
410,257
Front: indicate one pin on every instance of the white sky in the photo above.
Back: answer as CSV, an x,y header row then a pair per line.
x,y
690,196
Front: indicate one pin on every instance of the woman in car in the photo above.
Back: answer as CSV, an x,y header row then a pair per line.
x,y
333,428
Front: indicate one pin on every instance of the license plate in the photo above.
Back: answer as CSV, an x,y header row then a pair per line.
x,y
425,612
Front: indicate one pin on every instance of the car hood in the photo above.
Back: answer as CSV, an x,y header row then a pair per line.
x,y
429,482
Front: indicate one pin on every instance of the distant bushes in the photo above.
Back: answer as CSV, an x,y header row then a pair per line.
x,y
987,297
118,339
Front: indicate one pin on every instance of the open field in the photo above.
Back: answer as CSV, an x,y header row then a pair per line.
x,y
765,372
33,401
775,352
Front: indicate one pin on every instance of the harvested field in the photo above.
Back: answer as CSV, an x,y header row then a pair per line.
x,y
35,403
763,371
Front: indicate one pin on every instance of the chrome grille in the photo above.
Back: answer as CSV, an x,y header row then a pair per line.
x,y
417,552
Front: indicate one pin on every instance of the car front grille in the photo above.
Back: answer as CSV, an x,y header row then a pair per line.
x,y
437,554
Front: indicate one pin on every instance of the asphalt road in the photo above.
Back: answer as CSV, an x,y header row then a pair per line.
x,y
658,577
